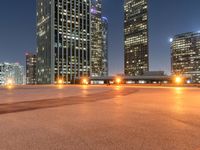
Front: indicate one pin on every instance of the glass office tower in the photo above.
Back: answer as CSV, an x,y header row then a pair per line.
x,y
136,37
99,26
105,46
186,55
63,40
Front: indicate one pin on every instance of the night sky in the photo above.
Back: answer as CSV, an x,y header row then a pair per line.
x,y
166,18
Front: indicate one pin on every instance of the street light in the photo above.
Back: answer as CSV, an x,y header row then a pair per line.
x,y
9,82
60,81
85,81
178,80
118,80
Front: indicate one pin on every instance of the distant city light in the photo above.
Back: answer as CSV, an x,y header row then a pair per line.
x,y
171,40
118,80
60,81
85,81
105,18
178,80
93,11
188,81
9,82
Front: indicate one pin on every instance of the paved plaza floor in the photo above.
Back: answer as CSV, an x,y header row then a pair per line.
x,y
99,118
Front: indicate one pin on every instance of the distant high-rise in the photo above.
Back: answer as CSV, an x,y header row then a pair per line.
x,y
99,48
30,68
63,40
186,55
11,73
136,37
105,46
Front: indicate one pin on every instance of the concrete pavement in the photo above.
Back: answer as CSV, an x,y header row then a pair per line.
x,y
99,118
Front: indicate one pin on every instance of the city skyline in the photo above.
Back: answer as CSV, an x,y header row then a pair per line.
x,y
100,74
22,35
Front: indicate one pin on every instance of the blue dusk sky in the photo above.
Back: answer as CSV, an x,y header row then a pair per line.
x,y
166,18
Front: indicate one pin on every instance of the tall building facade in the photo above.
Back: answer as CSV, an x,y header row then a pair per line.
x,y
136,37
63,40
185,55
99,45
11,72
105,68
31,60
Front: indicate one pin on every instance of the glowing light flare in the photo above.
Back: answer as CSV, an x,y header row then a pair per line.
x,y
171,40
118,80
60,81
188,81
9,82
93,11
178,80
85,81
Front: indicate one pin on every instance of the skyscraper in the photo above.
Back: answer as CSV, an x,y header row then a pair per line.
x,y
31,68
105,46
186,55
136,37
99,45
63,40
